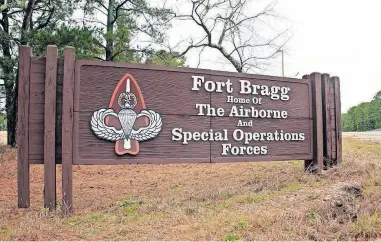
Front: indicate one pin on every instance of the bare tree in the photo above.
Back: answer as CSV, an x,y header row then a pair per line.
x,y
243,36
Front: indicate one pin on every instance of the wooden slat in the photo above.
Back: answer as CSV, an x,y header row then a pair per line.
x,y
333,120
39,159
338,120
25,54
49,130
308,163
59,112
37,78
67,130
38,65
37,108
317,122
326,97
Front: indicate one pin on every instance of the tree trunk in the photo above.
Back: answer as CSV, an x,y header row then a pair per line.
x,y
10,82
11,107
26,22
110,30
10,100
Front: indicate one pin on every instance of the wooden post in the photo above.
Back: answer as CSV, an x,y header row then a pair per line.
x,y
50,125
307,163
67,130
326,96
338,120
25,55
317,111
333,119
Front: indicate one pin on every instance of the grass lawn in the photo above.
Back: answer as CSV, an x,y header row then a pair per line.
x,y
241,201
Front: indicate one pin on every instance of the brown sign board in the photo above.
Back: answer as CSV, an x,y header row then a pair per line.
x,y
83,112
204,118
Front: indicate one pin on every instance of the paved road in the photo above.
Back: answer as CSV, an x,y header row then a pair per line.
x,y
368,135
3,137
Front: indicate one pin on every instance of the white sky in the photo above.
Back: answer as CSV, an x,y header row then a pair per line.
x,y
339,37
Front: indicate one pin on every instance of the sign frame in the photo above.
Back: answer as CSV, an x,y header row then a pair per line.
x,y
37,130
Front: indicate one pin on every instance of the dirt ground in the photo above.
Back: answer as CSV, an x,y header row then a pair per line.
x,y
241,201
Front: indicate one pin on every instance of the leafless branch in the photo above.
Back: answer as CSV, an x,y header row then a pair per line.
x,y
199,57
101,11
101,4
43,25
230,28
16,11
117,8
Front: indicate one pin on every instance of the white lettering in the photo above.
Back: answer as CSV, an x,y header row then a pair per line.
x,y
211,86
243,150
252,112
273,92
207,110
176,134
197,81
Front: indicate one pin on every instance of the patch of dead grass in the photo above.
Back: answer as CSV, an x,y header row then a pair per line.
x,y
246,201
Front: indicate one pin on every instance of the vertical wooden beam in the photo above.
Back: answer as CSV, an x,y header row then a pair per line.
x,y
326,96
333,119
49,129
307,163
25,55
317,107
67,130
338,120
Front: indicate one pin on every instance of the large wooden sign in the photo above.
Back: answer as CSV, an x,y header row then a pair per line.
x,y
92,112
187,115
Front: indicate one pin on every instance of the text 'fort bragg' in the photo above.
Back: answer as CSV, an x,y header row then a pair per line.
x,y
248,93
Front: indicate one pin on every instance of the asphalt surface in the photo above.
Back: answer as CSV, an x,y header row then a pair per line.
x,y
368,135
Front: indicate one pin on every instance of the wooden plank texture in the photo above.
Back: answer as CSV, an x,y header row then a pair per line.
x,y
298,105
338,120
38,66
275,150
333,119
168,83
89,149
317,105
25,54
299,117
37,109
67,130
169,92
36,114
309,162
49,127
166,89
318,160
326,98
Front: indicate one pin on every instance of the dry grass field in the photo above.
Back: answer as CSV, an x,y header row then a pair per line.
x,y
242,201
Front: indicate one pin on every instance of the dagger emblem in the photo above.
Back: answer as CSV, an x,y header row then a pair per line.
x,y
127,116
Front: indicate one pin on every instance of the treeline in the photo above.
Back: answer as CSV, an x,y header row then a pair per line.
x,y
363,117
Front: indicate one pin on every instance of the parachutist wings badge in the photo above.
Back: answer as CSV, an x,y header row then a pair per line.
x,y
126,121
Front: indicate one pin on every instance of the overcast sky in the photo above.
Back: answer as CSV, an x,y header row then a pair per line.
x,y
339,37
